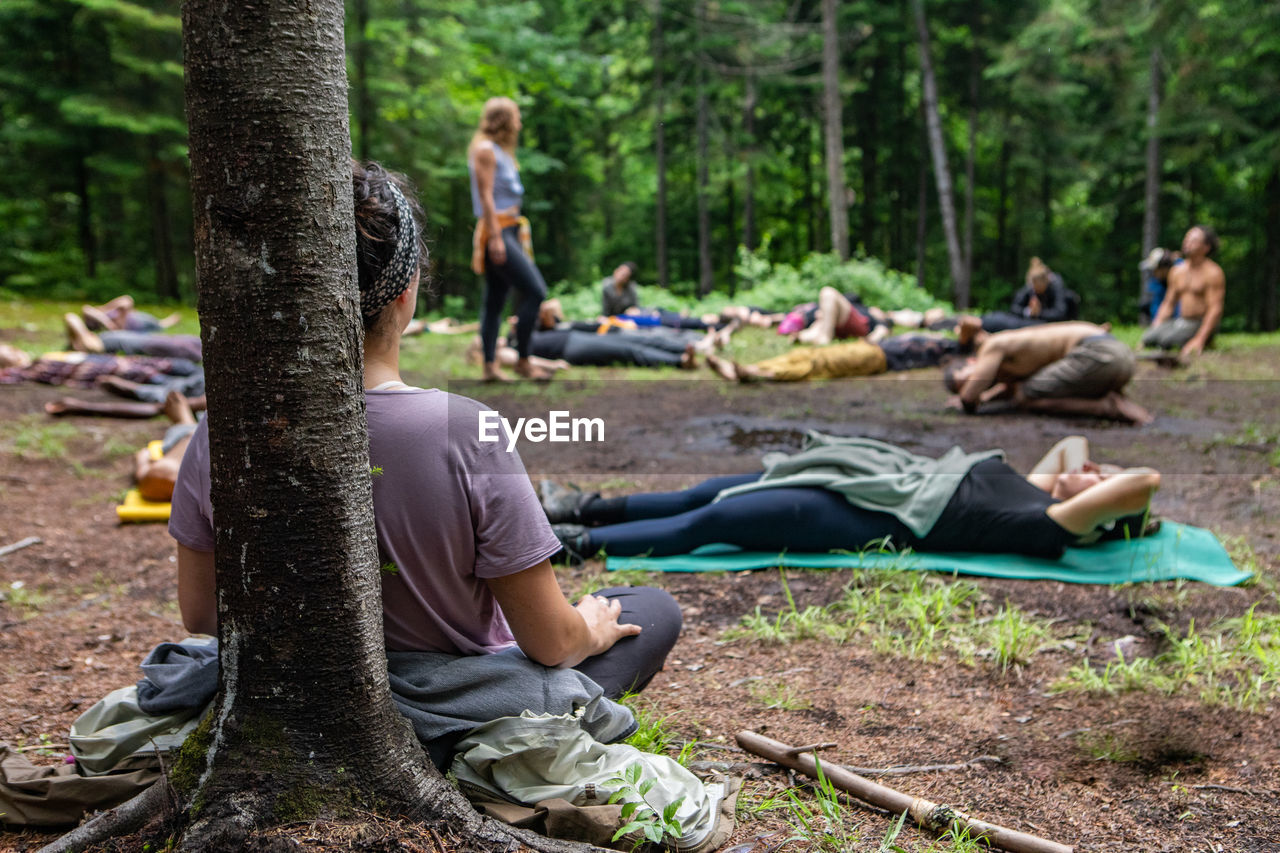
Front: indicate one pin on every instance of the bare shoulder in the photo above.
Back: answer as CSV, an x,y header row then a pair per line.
x,y
1214,276
483,154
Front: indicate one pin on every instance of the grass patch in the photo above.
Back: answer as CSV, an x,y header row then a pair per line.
x,y
907,614
1236,663
1107,746
35,437
779,696
653,732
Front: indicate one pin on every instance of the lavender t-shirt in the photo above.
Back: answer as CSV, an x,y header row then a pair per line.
x,y
450,511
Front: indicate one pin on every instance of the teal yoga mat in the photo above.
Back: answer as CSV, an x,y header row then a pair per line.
x,y
1177,551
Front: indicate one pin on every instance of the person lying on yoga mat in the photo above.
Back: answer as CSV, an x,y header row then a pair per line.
x,y
457,517
852,493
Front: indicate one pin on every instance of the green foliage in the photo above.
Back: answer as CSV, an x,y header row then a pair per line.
x,y
638,814
822,823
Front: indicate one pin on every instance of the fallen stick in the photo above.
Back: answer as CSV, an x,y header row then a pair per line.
x,y
20,544
934,816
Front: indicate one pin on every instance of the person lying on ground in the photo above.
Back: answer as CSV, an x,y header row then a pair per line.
x,y
80,339
551,318
119,314
458,517
86,370
1197,290
115,408
507,356
1073,368
837,316
556,349
748,315
855,493
444,326
155,477
854,358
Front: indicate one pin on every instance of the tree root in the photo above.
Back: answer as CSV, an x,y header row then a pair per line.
x,y
127,817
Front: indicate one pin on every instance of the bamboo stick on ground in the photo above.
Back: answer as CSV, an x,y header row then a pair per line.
x,y
934,816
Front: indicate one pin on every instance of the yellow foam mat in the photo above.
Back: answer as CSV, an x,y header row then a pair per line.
x,y
155,449
135,508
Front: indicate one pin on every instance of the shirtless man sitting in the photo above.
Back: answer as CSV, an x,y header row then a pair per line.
x,y
1198,288
1071,368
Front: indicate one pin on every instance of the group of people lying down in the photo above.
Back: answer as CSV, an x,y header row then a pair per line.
x,y
473,542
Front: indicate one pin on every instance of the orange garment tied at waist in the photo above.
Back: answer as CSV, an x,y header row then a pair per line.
x,y
481,238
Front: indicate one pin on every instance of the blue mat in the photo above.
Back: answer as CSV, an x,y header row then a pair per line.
x,y
1176,551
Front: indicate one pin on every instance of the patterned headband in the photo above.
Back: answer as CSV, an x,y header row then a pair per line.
x,y
404,263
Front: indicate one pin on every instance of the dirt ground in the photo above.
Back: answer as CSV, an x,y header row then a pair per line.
x,y
94,596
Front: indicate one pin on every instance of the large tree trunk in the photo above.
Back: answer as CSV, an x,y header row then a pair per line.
x,y
1002,267
304,721
660,149
941,171
705,277
833,128
161,225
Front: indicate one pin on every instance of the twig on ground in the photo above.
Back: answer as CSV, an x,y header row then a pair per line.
x,y
934,816
125,818
813,747
20,544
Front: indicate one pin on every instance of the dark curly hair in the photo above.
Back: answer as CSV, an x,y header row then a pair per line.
x,y
377,223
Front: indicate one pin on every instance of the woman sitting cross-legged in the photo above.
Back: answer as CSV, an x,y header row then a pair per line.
x,y
850,493
457,517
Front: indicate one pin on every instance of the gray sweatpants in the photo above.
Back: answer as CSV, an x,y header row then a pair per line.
x,y
1172,334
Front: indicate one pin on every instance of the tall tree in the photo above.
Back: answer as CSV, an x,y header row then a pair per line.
x,y
660,148
703,165
941,170
833,130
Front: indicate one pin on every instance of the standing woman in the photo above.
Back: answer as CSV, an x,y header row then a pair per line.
x,y
498,248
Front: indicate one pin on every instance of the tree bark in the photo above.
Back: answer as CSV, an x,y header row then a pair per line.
x,y
705,275
833,128
304,721
1002,211
941,171
660,149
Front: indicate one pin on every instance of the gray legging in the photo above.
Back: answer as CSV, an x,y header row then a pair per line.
x,y
1172,334
517,273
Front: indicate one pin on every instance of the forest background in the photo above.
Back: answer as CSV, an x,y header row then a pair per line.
x,y
689,137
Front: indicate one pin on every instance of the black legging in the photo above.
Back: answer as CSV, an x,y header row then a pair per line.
x,y
520,274
631,662
807,518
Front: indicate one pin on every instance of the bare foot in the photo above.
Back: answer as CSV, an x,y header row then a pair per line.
x,y
178,409
170,321
1129,410
689,359
79,336
56,407
531,371
94,318
725,368
493,373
